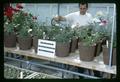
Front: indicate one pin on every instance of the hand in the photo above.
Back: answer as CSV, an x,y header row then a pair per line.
x,y
58,18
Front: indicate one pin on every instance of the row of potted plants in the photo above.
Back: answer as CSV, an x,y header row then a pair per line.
x,y
88,40
26,31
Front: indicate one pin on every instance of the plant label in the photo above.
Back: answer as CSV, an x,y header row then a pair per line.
x,y
46,48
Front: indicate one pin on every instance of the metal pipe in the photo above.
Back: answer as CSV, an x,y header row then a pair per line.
x,y
54,68
111,46
63,66
58,11
108,9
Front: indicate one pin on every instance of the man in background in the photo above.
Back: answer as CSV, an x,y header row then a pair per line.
x,y
77,19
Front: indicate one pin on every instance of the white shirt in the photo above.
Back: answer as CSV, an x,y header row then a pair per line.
x,y
76,19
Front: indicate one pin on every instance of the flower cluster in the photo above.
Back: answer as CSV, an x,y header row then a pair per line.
x,y
9,10
101,18
17,18
103,23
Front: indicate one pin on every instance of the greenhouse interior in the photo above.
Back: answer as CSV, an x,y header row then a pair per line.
x,y
59,41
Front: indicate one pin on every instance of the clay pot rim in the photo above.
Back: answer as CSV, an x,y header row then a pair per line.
x,y
64,42
24,37
74,37
105,46
13,33
86,45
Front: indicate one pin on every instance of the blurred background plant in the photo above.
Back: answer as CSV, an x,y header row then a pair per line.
x,y
103,24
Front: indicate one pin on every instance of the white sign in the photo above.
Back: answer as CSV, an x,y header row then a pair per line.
x,y
46,48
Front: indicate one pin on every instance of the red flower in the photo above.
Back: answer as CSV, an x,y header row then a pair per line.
x,y
19,6
9,12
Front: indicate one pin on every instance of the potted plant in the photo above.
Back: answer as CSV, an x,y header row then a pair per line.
x,y
37,32
74,38
102,25
87,43
24,22
106,52
9,34
114,52
24,38
9,26
63,43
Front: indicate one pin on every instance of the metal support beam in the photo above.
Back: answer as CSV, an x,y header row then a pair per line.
x,y
111,46
58,10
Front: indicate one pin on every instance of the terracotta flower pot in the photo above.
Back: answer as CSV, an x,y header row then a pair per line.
x,y
86,53
24,43
106,55
98,48
62,49
78,40
104,41
73,44
10,40
35,43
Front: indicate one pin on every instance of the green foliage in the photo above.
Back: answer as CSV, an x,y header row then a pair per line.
x,y
23,23
9,27
23,33
52,31
104,31
92,39
5,18
83,31
64,36
88,35
37,30
20,18
12,72
103,24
